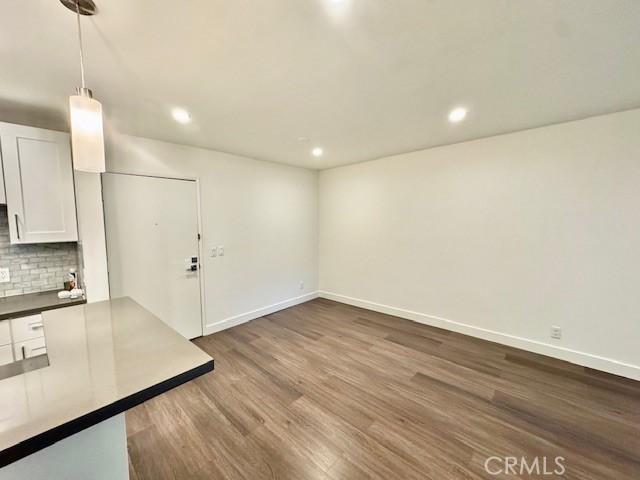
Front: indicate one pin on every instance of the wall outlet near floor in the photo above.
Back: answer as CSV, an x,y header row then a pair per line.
x,y
301,285
556,332
5,277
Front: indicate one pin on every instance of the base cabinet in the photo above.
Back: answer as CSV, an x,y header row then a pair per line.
x,y
21,338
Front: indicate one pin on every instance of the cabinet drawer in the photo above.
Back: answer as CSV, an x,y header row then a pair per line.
x,y
26,328
30,348
6,354
5,333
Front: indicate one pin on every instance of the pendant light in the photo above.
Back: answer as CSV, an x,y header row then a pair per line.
x,y
87,134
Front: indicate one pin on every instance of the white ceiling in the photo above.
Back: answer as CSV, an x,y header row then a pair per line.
x,y
360,78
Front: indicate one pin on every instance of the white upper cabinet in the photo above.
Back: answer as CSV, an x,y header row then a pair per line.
x,y
38,179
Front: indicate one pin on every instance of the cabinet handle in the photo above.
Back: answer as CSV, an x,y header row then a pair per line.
x,y
17,225
36,325
24,352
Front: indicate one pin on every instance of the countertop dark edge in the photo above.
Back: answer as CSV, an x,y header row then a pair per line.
x,y
35,310
48,438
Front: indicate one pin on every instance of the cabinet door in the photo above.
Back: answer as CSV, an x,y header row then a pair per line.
x,y
5,333
29,348
39,184
6,354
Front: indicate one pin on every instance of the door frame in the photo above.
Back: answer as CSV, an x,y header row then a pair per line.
x,y
184,178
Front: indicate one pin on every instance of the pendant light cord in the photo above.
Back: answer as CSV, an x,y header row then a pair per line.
x,y
80,42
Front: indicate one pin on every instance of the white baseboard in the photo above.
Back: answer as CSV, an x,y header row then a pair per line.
x,y
260,312
580,358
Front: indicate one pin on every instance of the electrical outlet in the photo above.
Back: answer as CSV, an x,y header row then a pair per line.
x,y
556,332
221,251
301,285
5,277
214,252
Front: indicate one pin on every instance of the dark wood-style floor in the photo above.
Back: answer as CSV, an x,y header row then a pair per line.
x,y
328,391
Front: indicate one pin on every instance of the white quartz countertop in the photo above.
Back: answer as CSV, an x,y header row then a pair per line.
x,y
104,358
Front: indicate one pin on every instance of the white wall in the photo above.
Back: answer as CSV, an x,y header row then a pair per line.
x,y
264,214
91,239
499,238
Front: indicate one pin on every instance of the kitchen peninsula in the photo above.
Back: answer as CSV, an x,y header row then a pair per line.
x,y
66,420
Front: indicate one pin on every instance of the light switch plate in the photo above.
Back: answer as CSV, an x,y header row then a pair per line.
x,y
4,275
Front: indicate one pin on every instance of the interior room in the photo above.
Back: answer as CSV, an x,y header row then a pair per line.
x,y
319,239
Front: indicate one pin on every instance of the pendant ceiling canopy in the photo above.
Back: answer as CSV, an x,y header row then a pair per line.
x,y
83,7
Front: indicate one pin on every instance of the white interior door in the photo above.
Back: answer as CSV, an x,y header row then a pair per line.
x,y
152,237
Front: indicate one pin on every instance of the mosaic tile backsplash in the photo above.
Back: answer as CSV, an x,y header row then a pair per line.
x,y
34,268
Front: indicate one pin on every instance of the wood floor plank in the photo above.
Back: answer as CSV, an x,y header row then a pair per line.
x,y
356,445
344,469
327,391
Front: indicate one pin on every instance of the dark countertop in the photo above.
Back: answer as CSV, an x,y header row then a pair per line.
x,y
32,303
104,358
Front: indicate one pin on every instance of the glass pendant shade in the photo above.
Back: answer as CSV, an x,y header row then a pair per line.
x,y
87,134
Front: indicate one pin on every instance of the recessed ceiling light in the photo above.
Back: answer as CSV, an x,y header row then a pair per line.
x,y
457,114
317,152
180,115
